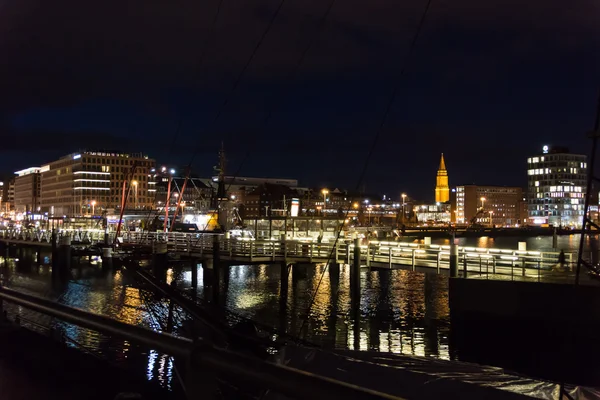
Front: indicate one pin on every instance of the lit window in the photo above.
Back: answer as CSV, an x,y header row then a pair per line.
x,y
537,183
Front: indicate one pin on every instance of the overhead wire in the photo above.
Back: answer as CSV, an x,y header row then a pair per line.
x,y
236,83
376,137
290,77
203,52
243,71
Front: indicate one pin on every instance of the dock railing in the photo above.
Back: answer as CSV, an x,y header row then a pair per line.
x,y
474,262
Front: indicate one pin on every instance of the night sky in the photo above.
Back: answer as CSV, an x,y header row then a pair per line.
x,y
488,84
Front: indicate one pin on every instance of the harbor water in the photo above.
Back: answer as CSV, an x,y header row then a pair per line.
x,y
400,311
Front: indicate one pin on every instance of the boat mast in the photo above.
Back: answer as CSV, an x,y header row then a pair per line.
x,y
221,191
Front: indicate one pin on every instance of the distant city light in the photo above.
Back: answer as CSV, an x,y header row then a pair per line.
x,y
172,171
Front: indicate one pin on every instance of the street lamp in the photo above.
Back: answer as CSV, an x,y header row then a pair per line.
x,y
325,192
403,195
135,197
93,203
482,202
491,219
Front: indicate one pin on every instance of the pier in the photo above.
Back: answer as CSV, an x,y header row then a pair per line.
x,y
471,262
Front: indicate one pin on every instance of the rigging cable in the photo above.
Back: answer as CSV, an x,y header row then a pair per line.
x,y
235,86
203,52
363,173
290,77
243,71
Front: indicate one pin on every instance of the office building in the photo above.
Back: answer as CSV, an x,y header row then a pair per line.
x,y
89,182
556,187
27,190
488,206
442,188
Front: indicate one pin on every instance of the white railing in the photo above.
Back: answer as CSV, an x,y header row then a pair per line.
x,y
479,261
44,236
374,254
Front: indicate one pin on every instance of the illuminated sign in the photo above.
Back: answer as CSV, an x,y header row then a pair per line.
x,y
76,156
295,207
545,149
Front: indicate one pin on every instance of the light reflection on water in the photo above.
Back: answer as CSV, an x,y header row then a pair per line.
x,y
400,311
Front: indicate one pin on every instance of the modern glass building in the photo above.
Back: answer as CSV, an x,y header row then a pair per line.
x,y
556,187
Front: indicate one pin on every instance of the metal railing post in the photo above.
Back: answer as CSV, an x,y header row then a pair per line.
x,y
413,259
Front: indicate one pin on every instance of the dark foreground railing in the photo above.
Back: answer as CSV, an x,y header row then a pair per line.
x,y
202,357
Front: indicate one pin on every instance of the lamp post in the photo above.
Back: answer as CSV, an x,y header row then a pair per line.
x,y
491,219
482,203
93,203
403,195
135,194
325,192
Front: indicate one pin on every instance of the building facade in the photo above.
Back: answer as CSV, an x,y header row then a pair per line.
x,y
442,188
91,181
8,195
556,187
489,206
27,190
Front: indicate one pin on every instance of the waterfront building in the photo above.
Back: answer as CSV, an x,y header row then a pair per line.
x,y
556,187
88,182
438,213
8,195
268,199
499,206
27,190
442,188
239,186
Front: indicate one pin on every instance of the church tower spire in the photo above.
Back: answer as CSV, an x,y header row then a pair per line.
x,y
442,189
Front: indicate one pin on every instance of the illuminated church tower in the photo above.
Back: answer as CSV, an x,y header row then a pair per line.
x,y
442,190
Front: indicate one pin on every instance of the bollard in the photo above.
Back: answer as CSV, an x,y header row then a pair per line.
x,y
334,271
39,260
159,257
355,279
283,268
171,309
453,261
194,270
355,271
54,239
216,268
65,253
107,257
